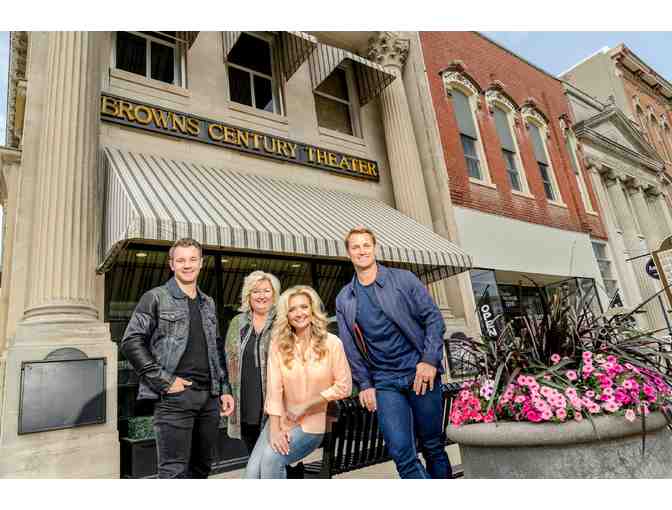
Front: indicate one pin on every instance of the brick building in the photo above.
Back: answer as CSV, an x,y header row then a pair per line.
x,y
524,206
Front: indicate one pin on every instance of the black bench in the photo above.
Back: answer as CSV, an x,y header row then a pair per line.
x,y
353,440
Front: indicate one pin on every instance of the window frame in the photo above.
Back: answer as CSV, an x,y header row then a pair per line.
x,y
179,59
520,167
531,118
572,147
613,270
278,104
352,103
472,99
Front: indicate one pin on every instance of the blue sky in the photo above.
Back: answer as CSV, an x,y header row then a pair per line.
x,y
555,52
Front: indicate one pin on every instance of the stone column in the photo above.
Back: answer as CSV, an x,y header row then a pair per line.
x,y
662,215
408,182
61,313
647,223
634,247
630,293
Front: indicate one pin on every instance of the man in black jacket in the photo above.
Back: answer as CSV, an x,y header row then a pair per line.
x,y
173,343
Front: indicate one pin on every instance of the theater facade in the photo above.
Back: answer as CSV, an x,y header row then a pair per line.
x,y
267,147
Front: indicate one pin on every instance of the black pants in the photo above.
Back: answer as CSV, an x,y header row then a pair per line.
x,y
185,424
249,434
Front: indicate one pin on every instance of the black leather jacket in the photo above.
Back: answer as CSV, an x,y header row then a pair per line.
x,y
156,338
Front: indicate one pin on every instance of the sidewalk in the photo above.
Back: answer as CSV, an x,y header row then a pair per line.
x,y
386,470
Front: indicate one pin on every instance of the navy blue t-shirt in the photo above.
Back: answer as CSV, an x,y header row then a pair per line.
x,y
392,354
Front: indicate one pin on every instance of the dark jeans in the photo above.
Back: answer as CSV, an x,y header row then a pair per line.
x,y
185,424
249,434
403,415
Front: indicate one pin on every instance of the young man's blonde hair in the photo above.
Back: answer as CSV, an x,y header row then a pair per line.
x,y
359,229
185,242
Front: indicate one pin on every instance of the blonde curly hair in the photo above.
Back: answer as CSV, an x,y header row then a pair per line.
x,y
283,334
250,283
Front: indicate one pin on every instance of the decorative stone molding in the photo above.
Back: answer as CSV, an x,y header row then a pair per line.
x,y
16,87
565,124
388,49
495,94
635,100
456,65
452,78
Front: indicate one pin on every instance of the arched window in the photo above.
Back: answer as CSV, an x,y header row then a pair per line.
x,y
464,95
537,129
503,111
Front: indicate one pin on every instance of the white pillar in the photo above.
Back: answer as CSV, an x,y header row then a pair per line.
x,y
410,192
61,312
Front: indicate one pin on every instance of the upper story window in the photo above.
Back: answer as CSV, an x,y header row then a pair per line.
x,y
537,130
503,113
252,81
335,100
572,148
154,55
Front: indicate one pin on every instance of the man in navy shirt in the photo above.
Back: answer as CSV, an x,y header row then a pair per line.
x,y
392,332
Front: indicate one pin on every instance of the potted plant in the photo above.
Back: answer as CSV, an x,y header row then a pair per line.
x,y
571,394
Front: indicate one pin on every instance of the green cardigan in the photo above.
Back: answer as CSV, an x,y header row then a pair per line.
x,y
238,326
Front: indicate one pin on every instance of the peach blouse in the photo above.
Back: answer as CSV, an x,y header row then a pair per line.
x,y
329,377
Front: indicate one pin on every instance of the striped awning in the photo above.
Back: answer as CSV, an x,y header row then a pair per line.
x,y
371,77
150,197
291,49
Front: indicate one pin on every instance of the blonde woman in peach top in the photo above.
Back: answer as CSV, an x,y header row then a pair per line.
x,y
307,368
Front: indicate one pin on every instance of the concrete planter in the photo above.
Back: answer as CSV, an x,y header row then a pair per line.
x,y
567,450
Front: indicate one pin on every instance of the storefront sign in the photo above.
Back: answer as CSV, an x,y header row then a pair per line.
x,y
184,125
651,269
488,321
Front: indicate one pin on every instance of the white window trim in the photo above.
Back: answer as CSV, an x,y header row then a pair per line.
x,y
614,270
495,102
472,97
278,107
583,188
543,131
180,64
352,104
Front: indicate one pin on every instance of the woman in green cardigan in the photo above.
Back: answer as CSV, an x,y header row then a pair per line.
x,y
246,346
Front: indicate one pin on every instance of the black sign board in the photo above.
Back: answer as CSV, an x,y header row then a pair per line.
x,y
60,394
652,270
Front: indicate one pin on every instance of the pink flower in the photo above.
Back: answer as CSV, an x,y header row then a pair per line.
x,y
547,414
522,380
587,356
630,415
520,399
533,416
590,394
561,414
570,392
612,359
555,358
578,417
571,375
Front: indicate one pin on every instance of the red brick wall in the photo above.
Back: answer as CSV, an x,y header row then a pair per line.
x,y
634,87
485,62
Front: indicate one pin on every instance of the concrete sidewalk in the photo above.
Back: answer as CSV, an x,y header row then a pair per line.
x,y
380,471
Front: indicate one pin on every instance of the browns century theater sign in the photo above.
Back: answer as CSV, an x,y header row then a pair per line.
x,y
184,125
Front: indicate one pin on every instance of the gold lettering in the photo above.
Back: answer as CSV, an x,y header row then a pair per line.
x,y
372,169
311,153
272,148
256,137
343,165
211,132
178,122
356,165
292,148
332,159
321,156
243,138
126,110
282,148
145,112
193,126
160,118
230,136
109,106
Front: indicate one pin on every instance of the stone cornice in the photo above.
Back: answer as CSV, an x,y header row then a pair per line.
x,y
388,49
593,137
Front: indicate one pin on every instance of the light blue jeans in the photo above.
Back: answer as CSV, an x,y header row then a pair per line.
x,y
265,463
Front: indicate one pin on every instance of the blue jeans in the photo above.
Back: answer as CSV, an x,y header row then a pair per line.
x,y
265,463
401,416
